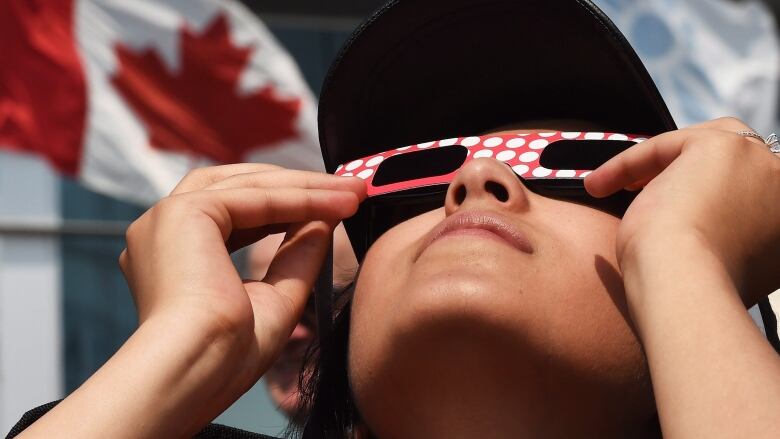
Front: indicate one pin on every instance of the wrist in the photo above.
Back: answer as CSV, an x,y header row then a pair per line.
x,y
667,271
681,296
657,246
646,255
165,381
205,360
179,373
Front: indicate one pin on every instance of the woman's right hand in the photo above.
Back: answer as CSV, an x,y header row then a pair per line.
x,y
177,260
205,336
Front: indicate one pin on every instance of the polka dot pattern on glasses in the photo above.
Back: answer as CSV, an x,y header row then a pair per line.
x,y
515,143
529,156
506,155
373,161
493,142
566,173
541,172
470,141
520,169
521,151
364,174
351,166
594,136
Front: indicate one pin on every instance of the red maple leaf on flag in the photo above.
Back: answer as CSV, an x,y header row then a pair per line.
x,y
198,109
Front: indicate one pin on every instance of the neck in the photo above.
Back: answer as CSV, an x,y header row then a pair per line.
x,y
526,394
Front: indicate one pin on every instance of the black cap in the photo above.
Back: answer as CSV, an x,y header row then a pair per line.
x,y
420,70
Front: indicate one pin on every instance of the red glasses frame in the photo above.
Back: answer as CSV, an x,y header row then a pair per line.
x,y
521,151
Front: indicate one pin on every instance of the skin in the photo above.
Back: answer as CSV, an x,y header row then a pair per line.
x,y
428,324
282,378
691,261
710,249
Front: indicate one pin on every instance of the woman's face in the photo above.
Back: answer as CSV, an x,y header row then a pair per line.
x,y
501,314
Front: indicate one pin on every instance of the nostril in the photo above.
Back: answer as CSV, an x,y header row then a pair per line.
x,y
460,194
498,190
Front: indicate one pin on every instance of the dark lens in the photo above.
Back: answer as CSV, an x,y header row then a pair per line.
x,y
392,209
376,215
420,164
581,154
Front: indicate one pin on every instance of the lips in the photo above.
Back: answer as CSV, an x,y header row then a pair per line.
x,y
477,221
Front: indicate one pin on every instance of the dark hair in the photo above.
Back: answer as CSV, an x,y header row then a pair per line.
x,y
326,406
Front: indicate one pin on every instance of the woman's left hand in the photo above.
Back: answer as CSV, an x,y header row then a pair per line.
x,y
705,183
698,244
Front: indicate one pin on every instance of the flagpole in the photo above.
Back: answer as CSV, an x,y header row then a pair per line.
x,y
39,226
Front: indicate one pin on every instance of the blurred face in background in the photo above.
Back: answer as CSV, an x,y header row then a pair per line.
x,y
461,331
282,378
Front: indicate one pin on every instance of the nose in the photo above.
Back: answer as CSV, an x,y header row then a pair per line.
x,y
486,183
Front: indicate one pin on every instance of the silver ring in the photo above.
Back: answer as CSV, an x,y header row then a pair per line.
x,y
771,140
773,143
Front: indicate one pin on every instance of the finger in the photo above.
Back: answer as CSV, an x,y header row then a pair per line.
x,y
637,186
289,280
289,178
298,260
638,164
730,124
248,208
202,177
262,253
241,238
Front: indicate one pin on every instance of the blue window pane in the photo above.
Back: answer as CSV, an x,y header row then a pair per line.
x,y
99,313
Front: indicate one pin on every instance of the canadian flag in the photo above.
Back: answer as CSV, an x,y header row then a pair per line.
x,y
127,96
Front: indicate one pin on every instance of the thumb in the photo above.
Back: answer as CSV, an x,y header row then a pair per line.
x,y
280,298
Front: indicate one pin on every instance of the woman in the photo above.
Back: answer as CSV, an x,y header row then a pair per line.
x,y
500,312
473,348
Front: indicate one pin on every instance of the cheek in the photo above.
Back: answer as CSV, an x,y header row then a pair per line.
x,y
388,264
585,299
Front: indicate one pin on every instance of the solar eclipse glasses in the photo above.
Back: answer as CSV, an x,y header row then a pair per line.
x,y
410,180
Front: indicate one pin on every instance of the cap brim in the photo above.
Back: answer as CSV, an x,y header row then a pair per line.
x,y
421,70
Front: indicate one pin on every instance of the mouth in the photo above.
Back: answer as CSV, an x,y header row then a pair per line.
x,y
480,224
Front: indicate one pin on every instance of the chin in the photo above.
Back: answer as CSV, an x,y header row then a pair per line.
x,y
454,341
438,364
476,278
461,372
457,346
